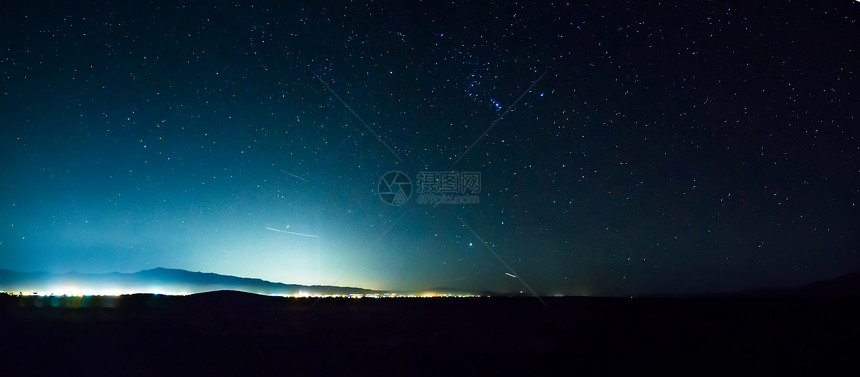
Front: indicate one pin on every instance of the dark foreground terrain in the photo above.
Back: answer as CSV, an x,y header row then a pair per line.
x,y
231,333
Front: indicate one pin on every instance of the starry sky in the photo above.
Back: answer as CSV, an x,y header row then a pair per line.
x,y
622,149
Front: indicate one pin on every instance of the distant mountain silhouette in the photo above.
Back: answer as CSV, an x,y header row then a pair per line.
x,y
842,286
158,280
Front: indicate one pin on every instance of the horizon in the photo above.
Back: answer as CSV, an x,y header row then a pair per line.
x,y
170,288
162,286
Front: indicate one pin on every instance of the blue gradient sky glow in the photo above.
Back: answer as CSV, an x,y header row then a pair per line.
x,y
623,149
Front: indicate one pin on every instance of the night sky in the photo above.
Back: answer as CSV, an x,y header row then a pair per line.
x,y
622,149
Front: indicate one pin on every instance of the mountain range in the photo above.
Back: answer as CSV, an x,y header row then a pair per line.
x,y
158,280
182,282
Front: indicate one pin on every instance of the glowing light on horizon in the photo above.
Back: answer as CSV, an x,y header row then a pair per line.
x,y
74,291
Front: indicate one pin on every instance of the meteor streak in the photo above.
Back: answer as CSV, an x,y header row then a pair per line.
x,y
511,275
295,233
293,175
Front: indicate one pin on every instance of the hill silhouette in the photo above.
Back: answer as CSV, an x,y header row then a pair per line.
x,y
843,286
158,280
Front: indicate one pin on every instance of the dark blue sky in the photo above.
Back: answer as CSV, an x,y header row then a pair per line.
x,y
622,149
